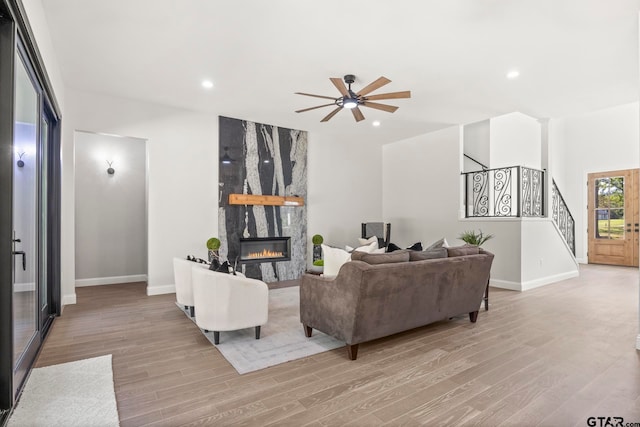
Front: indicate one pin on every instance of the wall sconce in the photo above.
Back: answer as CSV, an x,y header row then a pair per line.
x,y
226,159
20,163
111,170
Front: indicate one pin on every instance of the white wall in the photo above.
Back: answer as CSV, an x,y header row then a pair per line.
x,y
182,178
420,189
40,28
545,256
477,145
515,141
344,188
110,215
600,141
344,181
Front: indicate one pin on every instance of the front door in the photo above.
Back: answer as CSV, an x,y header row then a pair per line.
x,y
613,217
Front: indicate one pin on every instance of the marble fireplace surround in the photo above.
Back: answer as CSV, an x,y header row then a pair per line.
x,y
262,193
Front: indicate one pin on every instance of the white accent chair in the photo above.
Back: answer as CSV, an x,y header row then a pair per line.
x,y
225,302
184,288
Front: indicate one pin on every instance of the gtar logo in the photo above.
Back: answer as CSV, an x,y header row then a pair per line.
x,y
605,422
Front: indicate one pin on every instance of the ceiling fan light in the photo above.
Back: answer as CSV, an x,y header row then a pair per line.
x,y
349,103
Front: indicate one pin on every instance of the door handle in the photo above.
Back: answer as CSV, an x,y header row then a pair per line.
x,y
24,259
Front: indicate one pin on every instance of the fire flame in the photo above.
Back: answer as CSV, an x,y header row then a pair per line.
x,y
265,254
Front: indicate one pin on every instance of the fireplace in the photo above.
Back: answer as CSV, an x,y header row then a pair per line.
x,y
265,249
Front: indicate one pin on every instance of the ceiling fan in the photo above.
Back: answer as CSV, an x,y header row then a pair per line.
x,y
353,100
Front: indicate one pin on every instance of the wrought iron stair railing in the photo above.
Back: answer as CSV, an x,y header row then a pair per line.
x,y
562,217
514,191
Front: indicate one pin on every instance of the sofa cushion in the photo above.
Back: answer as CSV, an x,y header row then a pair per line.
x,y
333,260
387,258
463,250
428,254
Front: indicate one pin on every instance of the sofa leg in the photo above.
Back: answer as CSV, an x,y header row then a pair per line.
x,y
257,332
473,316
216,337
352,350
192,311
307,331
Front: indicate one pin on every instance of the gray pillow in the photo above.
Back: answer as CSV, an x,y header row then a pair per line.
x,y
436,244
463,250
386,258
432,254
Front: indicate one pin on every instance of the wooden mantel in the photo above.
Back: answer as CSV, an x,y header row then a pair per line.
x,y
258,199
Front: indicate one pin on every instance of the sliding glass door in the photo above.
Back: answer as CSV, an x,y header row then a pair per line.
x,y
29,204
26,178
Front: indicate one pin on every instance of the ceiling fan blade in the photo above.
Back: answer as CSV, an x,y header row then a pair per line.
x,y
313,108
383,107
391,95
340,85
376,84
357,114
331,114
315,96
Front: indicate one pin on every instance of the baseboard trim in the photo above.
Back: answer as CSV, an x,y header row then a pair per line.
x,y
532,284
161,290
582,260
505,284
114,280
68,299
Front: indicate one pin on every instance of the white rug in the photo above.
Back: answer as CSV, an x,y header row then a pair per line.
x,y
282,339
70,394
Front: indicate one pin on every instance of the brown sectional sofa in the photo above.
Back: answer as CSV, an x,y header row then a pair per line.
x,y
376,295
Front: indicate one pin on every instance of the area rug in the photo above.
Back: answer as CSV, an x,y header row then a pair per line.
x,y
282,339
70,394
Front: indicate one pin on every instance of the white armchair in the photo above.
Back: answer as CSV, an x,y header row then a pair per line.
x,y
225,302
182,276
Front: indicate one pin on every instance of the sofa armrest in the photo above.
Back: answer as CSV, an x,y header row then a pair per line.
x,y
329,304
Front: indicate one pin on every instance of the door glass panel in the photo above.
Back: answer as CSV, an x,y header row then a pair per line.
x,y
609,210
25,196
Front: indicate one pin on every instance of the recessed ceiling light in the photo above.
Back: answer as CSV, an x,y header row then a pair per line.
x,y
376,123
207,84
513,74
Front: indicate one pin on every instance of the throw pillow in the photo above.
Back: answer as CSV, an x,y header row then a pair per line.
x,y
333,260
224,268
430,254
393,247
368,248
215,264
415,247
463,250
441,243
364,242
382,258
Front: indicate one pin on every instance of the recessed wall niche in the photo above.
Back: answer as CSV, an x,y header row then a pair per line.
x,y
262,159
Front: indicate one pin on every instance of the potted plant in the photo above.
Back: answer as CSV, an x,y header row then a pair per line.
x,y
213,244
318,266
473,238
317,249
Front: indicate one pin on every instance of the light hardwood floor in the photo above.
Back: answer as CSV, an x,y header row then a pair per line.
x,y
552,356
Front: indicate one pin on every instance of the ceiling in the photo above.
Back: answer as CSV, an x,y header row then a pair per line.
x,y
573,56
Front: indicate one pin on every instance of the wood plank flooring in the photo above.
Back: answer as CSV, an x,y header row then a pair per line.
x,y
552,356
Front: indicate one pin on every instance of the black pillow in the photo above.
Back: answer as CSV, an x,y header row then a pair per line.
x,y
224,268
215,264
393,247
415,247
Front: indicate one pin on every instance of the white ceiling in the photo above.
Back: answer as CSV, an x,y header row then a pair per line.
x,y
573,56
